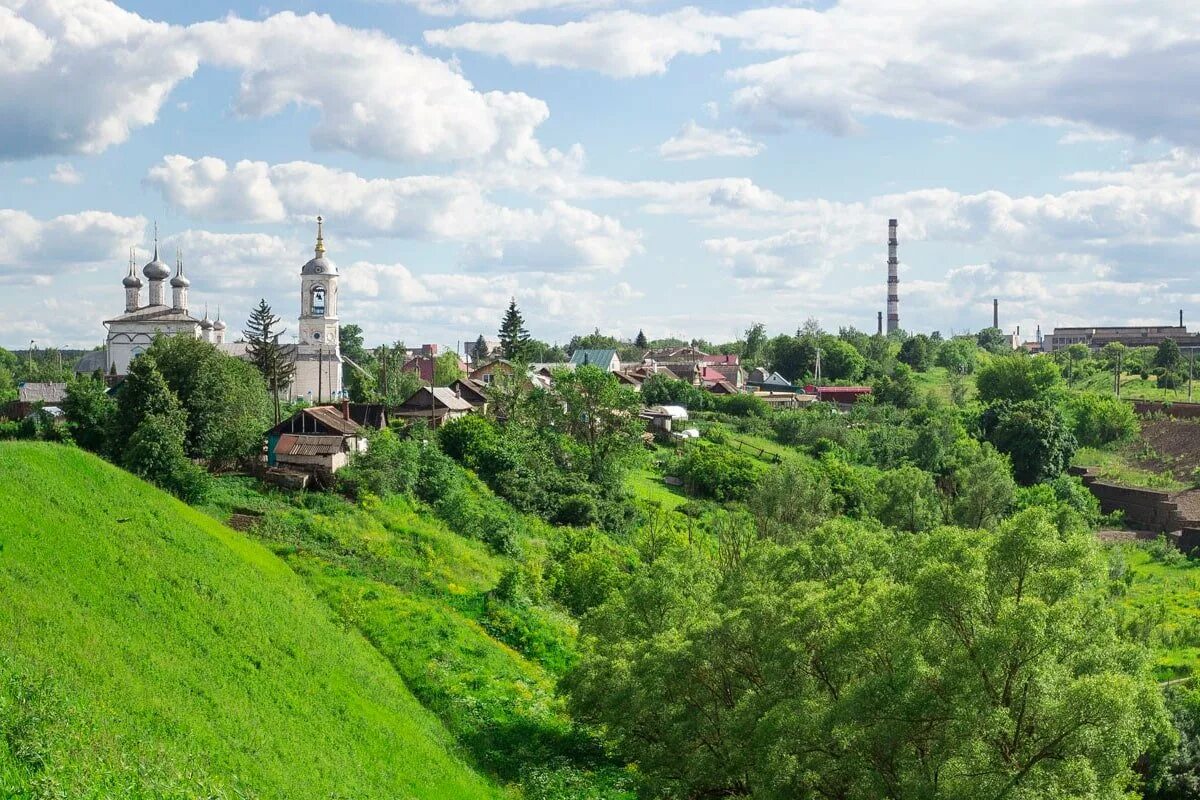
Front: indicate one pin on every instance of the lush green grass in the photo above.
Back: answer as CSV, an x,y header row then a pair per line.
x,y
647,484
935,381
423,596
1115,467
148,651
1162,603
1134,387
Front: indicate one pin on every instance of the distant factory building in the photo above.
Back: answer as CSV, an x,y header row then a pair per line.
x,y
1130,336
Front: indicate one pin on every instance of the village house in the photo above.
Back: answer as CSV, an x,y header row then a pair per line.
x,y
423,361
472,391
842,395
604,359
487,371
434,406
32,396
318,441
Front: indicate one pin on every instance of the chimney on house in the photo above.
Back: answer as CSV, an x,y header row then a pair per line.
x,y
995,312
893,295
345,409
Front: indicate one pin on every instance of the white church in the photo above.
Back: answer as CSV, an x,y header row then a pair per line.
x,y
317,354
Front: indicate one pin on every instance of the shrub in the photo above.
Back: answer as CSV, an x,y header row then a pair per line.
x,y
1017,378
388,466
1098,420
464,438
743,405
713,471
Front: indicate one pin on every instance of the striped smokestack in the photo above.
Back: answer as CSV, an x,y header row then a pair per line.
x,y
893,297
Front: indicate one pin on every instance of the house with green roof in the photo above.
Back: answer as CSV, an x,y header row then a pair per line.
x,y
604,359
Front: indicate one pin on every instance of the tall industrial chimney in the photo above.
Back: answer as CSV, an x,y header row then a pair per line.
x,y
879,323
1181,317
893,297
995,312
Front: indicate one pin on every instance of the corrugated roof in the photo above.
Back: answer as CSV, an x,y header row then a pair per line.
x,y
331,417
308,444
598,358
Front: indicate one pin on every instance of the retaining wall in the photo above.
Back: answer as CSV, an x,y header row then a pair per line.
x,y
1148,509
1178,410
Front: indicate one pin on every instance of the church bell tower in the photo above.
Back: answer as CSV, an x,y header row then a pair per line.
x,y
318,298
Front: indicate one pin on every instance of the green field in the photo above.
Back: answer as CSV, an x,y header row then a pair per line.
x,y
148,651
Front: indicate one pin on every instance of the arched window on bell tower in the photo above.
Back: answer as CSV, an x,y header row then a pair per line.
x,y
317,306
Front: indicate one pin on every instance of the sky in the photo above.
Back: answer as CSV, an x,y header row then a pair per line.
x,y
682,169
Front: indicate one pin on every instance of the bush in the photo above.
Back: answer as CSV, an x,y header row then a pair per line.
x,y
743,405
1098,420
464,438
1017,378
388,466
716,472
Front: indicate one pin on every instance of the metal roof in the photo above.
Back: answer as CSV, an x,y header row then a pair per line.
x,y
307,444
598,358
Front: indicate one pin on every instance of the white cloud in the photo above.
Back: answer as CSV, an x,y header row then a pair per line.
x,y
66,174
695,141
557,236
84,74
617,43
37,252
1101,67
498,9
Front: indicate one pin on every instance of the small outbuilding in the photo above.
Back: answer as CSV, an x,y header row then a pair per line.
x,y
435,406
318,441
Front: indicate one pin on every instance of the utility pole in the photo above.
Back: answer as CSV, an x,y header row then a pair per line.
x,y
1191,366
1117,375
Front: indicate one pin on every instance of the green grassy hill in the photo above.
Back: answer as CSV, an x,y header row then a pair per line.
x,y
148,651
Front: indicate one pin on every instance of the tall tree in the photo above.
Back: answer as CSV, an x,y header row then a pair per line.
x,y
479,350
446,369
514,338
143,392
89,410
275,362
593,420
755,348
640,340
863,664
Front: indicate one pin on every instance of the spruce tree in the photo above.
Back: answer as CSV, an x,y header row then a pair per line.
x,y
514,338
479,350
274,361
640,341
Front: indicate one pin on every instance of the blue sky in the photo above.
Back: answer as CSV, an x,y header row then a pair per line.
x,y
686,169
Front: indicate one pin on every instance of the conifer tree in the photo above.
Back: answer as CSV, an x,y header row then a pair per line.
x,y
479,350
640,341
514,338
275,362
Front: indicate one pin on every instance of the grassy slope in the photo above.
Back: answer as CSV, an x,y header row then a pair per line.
x,y
148,651
1116,466
1165,601
420,593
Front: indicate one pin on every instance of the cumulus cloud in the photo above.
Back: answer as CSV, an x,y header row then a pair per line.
x,y
622,44
82,75
44,248
498,9
695,141
558,236
66,174
1102,67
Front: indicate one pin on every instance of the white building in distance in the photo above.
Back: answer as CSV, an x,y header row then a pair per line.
x,y
317,353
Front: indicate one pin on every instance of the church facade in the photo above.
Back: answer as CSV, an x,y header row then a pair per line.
x,y
318,359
